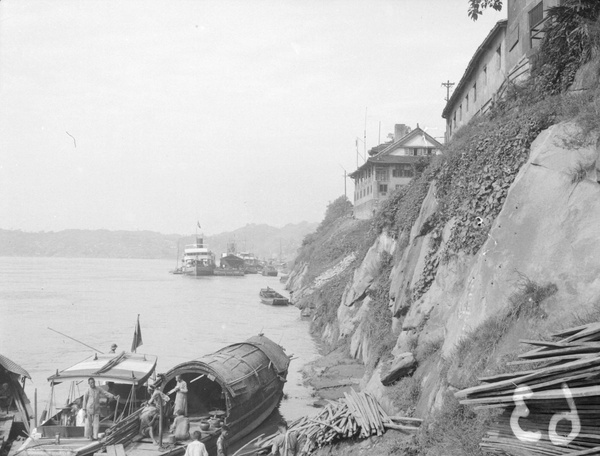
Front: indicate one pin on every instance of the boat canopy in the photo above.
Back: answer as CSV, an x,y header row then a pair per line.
x,y
132,368
236,367
13,367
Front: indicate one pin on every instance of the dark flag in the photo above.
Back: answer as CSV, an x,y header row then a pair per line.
x,y
199,225
137,336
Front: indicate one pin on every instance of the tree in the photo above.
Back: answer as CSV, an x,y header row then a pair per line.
x,y
476,7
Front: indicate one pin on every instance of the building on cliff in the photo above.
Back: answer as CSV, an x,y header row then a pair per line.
x,y
503,56
480,83
390,166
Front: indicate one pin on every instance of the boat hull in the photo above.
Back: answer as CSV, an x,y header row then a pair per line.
x,y
275,301
199,270
228,272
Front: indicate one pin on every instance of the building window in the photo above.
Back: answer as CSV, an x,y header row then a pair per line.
x,y
454,120
383,189
499,57
536,17
485,75
381,174
403,170
460,113
514,38
467,103
474,92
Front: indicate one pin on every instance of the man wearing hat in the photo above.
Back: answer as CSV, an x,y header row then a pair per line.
x,y
113,348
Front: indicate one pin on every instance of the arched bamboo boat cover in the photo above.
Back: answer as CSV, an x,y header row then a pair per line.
x,y
125,367
250,373
13,367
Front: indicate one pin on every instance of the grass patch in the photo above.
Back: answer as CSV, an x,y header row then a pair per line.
x,y
454,430
327,300
428,349
377,323
405,394
475,354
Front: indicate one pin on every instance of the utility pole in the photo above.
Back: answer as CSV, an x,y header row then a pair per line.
x,y
345,179
448,85
365,138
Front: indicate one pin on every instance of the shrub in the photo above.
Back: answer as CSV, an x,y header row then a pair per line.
x,y
340,207
454,430
377,323
572,34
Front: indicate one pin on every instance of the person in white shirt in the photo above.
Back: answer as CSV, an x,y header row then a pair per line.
x,y
91,407
196,448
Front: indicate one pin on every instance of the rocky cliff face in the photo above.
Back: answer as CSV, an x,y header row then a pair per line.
x,y
547,231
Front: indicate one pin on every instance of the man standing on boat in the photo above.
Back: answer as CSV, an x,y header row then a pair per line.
x,y
181,397
91,407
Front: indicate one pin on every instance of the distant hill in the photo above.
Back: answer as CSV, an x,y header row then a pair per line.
x,y
263,240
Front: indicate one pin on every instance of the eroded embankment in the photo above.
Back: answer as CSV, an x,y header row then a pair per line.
x,y
494,242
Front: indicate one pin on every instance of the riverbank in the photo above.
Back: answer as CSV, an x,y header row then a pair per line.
x,y
332,375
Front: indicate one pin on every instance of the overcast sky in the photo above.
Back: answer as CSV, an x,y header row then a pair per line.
x,y
150,115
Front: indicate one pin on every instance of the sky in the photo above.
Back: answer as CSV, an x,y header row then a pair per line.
x,y
155,114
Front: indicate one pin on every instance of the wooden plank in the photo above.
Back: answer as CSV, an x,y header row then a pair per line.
x,y
592,347
566,367
554,359
570,331
544,343
589,391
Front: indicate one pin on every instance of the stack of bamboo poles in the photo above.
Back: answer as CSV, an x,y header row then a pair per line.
x,y
357,415
552,408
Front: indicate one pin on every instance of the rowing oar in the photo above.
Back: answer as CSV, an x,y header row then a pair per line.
x,y
78,341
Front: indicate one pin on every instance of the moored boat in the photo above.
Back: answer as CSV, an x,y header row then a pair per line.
x,y
230,265
269,270
15,409
273,298
198,260
239,385
251,263
123,375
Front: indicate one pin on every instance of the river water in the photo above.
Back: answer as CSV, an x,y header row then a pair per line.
x,y
97,302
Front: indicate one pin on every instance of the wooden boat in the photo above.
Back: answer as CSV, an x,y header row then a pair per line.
x,y
271,297
239,385
269,270
124,375
15,409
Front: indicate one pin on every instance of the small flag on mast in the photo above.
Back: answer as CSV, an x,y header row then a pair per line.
x,y
137,336
199,225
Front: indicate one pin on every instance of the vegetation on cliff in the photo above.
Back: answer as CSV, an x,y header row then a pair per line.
x,y
471,181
